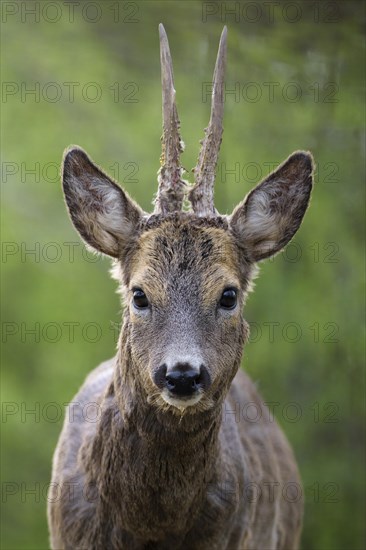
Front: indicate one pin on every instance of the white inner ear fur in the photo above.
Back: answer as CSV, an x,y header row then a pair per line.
x,y
271,214
100,211
112,217
260,224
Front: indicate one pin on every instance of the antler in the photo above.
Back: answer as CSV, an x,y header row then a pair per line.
x,y
201,195
171,186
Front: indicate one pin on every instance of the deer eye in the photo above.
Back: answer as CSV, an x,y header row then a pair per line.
x,y
228,298
139,299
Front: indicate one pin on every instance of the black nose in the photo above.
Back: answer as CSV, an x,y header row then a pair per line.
x,y
182,380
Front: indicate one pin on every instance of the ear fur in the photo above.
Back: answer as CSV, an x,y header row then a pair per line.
x,y
272,212
102,213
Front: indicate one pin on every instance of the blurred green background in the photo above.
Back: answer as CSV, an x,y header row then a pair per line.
x,y
295,80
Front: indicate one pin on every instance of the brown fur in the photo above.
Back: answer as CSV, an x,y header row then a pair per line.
x,y
162,479
156,471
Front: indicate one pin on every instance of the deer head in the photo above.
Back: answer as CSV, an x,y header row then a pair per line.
x,y
185,273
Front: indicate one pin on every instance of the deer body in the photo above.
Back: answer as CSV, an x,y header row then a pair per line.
x,y
204,500
172,460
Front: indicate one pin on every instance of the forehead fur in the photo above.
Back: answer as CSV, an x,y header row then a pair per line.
x,y
177,246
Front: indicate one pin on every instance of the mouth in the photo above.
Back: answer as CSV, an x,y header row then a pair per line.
x,y
181,402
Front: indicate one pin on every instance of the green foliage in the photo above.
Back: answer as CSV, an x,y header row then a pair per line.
x,y
306,352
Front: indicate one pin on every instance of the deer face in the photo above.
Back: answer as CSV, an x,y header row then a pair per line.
x,y
185,275
185,290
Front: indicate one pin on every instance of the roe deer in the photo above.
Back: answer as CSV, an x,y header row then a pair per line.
x,y
170,462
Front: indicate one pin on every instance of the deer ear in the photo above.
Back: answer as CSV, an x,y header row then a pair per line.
x,y
272,212
102,213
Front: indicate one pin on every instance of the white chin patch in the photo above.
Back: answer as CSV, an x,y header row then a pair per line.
x,y
181,404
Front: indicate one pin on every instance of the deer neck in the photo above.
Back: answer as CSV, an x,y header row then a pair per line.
x,y
158,467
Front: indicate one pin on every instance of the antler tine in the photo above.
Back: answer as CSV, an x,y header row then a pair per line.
x,y
171,187
201,195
